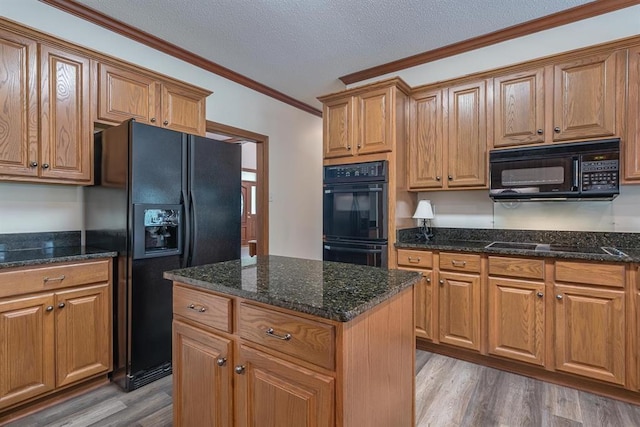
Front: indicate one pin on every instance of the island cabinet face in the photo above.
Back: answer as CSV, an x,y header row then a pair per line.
x,y
275,367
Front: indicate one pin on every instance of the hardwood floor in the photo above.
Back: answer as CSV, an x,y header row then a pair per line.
x,y
449,392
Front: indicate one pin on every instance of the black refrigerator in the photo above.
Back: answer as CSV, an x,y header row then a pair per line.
x,y
163,200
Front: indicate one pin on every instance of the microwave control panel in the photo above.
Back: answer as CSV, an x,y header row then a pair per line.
x,y
600,172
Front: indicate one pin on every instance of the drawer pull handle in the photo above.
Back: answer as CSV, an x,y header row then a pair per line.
x,y
415,260
270,332
457,263
221,361
54,279
200,309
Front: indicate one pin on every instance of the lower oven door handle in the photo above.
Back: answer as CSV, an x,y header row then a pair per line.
x,y
354,250
352,190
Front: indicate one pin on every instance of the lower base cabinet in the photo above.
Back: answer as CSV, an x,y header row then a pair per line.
x,y
326,373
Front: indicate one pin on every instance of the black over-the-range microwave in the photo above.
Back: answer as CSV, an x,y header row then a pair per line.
x,y
572,171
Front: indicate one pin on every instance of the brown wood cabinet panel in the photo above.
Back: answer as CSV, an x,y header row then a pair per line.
x,y
459,262
375,121
124,94
590,332
273,392
519,108
183,110
19,99
26,348
427,138
585,94
591,273
415,258
66,137
202,378
423,296
338,127
83,333
467,135
302,338
631,147
517,319
526,268
459,307
210,310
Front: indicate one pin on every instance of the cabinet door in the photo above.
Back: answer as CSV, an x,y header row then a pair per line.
x,y
202,388
423,293
271,392
83,333
519,108
467,136
338,128
584,98
19,100
426,141
375,130
26,348
590,332
183,110
66,130
459,306
632,147
124,94
516,319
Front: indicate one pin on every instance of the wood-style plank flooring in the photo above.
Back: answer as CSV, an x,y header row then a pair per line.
x,y
449,392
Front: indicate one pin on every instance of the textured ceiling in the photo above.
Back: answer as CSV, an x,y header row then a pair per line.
x,y
301,47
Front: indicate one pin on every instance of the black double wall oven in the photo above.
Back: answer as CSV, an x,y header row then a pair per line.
x,y
355,206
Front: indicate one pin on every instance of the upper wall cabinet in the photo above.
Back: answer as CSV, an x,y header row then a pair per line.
x,y
632,145
50,88
448,137
578,99
363,120
125,93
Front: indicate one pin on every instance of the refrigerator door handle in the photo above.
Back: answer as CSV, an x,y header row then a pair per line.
x,y
186,227
194,225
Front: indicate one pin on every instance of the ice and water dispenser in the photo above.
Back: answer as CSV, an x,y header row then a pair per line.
x,y
158,230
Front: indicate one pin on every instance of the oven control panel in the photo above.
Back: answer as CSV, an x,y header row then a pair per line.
x,y
356,172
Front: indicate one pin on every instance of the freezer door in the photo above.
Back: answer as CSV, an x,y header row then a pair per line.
x,y
157,159
214,200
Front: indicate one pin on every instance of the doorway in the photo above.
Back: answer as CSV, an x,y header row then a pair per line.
x,y
254,209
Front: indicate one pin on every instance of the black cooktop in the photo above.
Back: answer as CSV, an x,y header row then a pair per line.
x,y
544,247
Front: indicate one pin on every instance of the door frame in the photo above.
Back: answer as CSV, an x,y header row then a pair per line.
x,y
262,175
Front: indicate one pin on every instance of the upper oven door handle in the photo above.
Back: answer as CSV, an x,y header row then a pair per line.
x,y
354,250
371,188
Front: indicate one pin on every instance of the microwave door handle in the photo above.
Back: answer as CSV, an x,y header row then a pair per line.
x,y
576,174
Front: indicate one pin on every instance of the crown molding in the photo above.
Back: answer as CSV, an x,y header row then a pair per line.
x,y
157,43
568,16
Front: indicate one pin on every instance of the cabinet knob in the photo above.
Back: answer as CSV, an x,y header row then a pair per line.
x,y
438,178
239,369
558,297
428,279
49,308
556,129
450,178
152,119
221,361
45,166
61,305
33,164
441,281
359,146
348,147
539,294
539,131
166,122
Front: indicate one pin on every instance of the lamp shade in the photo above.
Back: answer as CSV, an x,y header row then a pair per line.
x,y
424,210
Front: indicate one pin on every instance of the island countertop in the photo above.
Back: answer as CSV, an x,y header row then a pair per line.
x,y
331,290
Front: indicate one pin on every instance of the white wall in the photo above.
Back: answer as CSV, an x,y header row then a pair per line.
x,y
474,209
295,140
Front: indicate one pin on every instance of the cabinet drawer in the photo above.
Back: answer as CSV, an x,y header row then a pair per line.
x,y
54,276
415,258
590,273
202,307
459,262
516,267
292,335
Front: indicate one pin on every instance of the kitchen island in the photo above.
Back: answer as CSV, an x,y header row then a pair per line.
x,y
274,341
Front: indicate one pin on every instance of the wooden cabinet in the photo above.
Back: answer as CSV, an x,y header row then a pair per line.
x,y
448,138
125,93
55,328
273,367
631,148
516,308
459,300
590,325
364,120
47,135
424,292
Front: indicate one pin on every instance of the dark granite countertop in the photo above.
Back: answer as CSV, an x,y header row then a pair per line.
x,y
569,245
26,257
331,290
